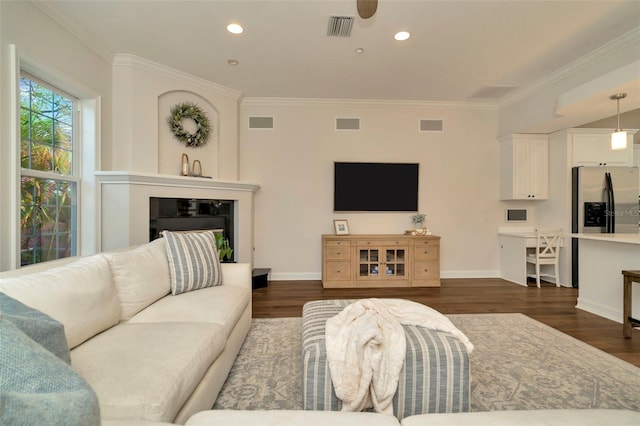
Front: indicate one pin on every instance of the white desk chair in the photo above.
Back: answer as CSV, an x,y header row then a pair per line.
x,y
547,252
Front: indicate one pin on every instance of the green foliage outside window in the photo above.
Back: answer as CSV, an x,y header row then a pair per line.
x,y
48,202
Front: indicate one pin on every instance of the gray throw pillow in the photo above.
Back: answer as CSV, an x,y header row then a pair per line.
x,y
38,326
37,388
193,260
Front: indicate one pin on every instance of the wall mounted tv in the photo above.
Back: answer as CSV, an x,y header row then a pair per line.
x,y
380,187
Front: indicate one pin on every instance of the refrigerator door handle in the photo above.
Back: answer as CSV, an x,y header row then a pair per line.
x,y
610,211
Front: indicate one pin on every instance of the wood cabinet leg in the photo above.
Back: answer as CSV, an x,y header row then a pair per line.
x,y
626,308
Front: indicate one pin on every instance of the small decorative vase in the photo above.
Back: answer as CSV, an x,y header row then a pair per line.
x,y
184,165
196,170
420,231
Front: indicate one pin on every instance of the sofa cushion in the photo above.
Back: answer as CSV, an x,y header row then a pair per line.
x,y
289,418
135,423
80,295
147,371
141,276
193,260
39,327
557,417
220,305
37,387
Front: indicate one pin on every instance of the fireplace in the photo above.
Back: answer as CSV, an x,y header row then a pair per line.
x,y
124,211
190,214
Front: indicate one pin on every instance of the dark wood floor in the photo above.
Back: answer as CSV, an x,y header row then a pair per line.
x,y
549,305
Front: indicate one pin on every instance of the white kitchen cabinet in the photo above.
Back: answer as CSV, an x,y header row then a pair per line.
x,y
592,147
524,167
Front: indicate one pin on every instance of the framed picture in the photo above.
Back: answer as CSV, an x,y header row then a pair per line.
x,y
341,226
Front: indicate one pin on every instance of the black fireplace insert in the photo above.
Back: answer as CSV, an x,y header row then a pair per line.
x,y
190,214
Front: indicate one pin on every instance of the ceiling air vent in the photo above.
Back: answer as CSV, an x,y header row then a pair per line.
x,y
340,26
431,125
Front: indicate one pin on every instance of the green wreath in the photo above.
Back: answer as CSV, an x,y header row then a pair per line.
x,y
195,113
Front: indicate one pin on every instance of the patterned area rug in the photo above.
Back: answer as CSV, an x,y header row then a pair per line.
x,y
518,363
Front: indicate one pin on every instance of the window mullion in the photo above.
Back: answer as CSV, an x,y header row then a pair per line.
x,y
48,175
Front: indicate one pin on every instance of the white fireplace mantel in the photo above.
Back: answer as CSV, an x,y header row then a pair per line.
x,y
123,212
170,180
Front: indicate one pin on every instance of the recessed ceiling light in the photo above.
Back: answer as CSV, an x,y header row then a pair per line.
x,y
359,50
235,28
233,62
402,35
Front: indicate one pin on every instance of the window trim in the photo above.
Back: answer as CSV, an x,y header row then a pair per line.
x,y
88,126
76,166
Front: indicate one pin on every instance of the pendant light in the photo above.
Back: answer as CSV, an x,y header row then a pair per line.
x,y
619,137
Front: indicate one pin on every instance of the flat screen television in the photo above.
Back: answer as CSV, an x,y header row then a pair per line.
x,y
380,187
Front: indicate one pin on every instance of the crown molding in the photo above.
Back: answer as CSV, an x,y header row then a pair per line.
x,y
133,61
598,55
366,103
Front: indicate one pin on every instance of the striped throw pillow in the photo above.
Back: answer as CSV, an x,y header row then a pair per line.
x,y
193,261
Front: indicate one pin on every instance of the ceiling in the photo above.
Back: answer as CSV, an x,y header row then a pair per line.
x,y
457,49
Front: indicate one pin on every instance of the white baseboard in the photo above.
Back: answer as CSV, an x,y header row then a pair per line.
x,y
600,310
512,281
302,276
469,274
296,276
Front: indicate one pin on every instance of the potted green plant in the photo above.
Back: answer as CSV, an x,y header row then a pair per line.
x,y
418,224
418,219
224,251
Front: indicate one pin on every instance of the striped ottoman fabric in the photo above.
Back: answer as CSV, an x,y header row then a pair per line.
x,y
434,379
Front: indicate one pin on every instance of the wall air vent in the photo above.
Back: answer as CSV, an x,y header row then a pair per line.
x,y
347,124
261,122
340,26
431,126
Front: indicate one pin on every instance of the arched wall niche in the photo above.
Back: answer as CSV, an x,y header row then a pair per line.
x,y
170,149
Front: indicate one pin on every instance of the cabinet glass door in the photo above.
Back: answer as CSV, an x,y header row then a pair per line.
x,y
369,261
395,263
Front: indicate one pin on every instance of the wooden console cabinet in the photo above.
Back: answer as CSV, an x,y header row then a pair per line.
x,y
380,261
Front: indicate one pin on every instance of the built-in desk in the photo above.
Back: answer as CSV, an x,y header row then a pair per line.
x,y
514,246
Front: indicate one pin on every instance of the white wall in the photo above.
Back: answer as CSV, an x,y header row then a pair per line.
x,y
143,92
294,165
62,54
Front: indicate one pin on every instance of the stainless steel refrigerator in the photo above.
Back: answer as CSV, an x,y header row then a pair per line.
x,y
604,200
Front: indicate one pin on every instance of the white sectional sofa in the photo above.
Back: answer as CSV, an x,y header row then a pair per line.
x,y
148,355
595,417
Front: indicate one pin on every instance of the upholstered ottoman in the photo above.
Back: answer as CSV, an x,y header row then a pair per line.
x,y
434,379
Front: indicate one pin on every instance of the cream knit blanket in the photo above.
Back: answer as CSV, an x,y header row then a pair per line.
x,y
366,349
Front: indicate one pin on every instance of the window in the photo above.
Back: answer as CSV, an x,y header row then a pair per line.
x,y
49,177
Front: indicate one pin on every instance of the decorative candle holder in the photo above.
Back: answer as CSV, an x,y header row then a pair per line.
x,y
196,170
184,165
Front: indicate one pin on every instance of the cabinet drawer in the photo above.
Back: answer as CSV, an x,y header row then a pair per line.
x,y
428,252
426,243
385,243
338,271
426,270
337,243
338,252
